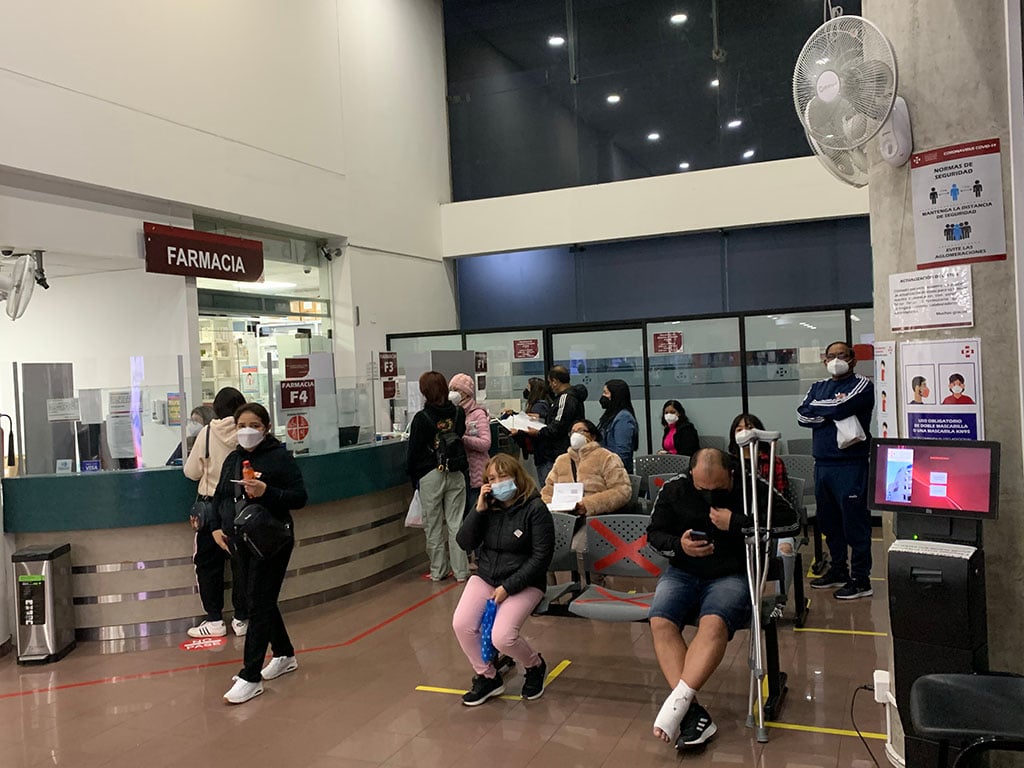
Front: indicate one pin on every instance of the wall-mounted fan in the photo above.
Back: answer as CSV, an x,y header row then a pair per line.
x,y
16,286
844,92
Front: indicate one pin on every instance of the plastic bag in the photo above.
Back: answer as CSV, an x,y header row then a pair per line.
x,y
414,517
849,431
487,650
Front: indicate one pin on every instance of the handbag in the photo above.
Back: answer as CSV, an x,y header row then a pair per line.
x,y
201,513
264,534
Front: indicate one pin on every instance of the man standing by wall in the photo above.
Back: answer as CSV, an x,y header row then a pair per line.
x,y
841,474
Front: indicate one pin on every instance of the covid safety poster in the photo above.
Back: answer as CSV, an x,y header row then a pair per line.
x,y
940,389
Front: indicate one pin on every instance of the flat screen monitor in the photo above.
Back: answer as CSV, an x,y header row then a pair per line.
x,y
946,478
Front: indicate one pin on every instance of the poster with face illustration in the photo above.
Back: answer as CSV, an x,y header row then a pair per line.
x,y
940,388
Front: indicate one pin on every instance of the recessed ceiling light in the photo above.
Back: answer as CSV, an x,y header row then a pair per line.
x,y
734,123
678,18
714,83
613,98
653,136
684,166
556,41
748,154
271,285
854,318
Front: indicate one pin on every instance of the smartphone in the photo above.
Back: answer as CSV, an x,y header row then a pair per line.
x,y
698,536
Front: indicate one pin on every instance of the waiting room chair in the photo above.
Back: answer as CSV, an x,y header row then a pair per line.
x,y
654,486
564,560
633,505
973,713
801,466
660,464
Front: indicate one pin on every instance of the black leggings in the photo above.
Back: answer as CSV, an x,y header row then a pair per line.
x,y
209,561
266,627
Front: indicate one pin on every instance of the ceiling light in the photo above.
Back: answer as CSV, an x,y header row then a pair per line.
x,y
714,83
748,154
684,166
854,318
271,285
556,41
735,123
613,98
678,18
653,136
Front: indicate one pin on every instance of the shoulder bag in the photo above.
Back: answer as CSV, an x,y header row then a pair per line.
x,y
263,533
201,513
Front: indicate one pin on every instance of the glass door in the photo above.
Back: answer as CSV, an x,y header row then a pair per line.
x,y
696,362
594,357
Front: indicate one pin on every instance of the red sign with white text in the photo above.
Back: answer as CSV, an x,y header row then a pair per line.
x,y
298,393
179,251
296,367
297,428
525,349
203,643
388,364
666,343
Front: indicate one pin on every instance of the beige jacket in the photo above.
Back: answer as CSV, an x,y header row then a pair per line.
x,y
222,442
606,486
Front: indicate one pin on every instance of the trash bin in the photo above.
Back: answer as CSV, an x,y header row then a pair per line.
x,y
46,619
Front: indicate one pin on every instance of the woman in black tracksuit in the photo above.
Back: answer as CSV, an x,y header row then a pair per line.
x,y
279,487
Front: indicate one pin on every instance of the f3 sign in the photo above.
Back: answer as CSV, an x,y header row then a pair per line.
x,y
298,393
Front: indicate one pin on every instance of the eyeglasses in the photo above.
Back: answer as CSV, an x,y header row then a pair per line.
x,y
839,356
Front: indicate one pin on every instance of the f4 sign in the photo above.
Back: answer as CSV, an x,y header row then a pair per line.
x,y
298,393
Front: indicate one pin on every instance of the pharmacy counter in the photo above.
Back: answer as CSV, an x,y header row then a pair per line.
x,y
131,545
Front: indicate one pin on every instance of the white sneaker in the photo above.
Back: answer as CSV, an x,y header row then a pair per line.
x,y
242,691
240,627
279,665
208,629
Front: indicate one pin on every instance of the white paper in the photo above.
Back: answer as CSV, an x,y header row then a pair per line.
x,y
62,409
521,422
119,436
566,496
931,298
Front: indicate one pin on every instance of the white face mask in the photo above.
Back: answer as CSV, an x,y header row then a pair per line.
x,y
455,397
577,440
249,438
957,390
837,367
671,418
193,428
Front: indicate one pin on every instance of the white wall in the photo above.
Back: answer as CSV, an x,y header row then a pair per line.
x,y
739,196
323,115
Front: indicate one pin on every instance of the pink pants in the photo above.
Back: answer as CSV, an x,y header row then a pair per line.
x,y
512,612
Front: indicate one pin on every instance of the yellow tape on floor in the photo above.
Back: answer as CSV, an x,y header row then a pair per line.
x,y
823,630
554,673
829,731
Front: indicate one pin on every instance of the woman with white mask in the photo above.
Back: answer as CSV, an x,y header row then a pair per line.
x,y
263,470
213,444
606,485
680,435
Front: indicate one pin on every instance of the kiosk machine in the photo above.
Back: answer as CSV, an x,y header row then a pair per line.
x,y
941,491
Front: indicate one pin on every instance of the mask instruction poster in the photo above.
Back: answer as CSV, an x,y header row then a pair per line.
x,y
885,388
940,388
958,204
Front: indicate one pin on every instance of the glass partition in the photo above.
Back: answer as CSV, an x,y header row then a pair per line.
x,y
403,344
513,357
593,357
784,355
696,362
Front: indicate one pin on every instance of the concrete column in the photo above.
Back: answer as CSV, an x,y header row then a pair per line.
x,y
952,61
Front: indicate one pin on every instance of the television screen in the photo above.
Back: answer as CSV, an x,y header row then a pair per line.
x,y
949,478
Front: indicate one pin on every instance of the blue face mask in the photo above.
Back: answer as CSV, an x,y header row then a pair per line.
x,y
504,490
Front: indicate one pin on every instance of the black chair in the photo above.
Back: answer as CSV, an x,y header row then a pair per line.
x,y
972,713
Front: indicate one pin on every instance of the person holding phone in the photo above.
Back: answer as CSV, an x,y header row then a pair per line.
x,y
698,522
512,533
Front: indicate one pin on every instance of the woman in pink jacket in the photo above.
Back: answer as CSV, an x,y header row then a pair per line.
x,y
477,439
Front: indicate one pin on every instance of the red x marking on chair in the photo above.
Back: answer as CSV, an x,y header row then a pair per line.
x,y
623,551
659,481
609,597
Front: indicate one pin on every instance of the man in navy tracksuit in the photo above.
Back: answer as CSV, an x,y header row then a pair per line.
x,y
841,474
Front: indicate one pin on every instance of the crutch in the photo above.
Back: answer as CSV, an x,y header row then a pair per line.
x,y
757,542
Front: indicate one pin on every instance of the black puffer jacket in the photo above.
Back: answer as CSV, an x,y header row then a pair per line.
x,y
513,546
286,490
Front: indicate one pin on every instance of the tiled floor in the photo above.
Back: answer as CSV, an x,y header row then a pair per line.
x,y
353,702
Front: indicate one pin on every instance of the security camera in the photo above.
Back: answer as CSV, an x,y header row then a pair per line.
x,y
307,269
7,250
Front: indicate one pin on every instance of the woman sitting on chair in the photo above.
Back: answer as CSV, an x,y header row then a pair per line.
x,y
513,536
606,485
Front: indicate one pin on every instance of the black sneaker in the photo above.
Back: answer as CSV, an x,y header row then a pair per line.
x,y
834,577
854,589
533,680
483,689
697,727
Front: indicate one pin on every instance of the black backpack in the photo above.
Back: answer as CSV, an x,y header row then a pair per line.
x,y
449,449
